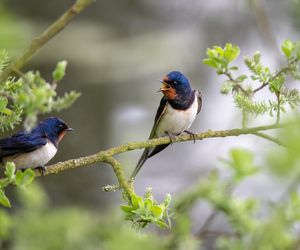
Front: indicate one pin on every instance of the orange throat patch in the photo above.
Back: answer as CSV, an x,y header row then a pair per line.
x,y
61,135
170,93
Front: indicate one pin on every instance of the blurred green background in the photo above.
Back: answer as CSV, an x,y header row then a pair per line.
x,y
117,51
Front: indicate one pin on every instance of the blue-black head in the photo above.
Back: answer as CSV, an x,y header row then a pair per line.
x,y
54,128
175,85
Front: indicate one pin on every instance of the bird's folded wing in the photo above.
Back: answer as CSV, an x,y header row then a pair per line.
x,y
199,96
160,112
20,143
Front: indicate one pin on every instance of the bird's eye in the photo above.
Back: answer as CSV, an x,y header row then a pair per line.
x,y
175,82
61,126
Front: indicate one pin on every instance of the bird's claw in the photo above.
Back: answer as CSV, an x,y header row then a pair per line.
x,y
171,137
193,135
42,170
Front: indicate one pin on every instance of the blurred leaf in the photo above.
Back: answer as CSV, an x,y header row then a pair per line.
x,y
3,199
23,179
287,47
60,70
10,169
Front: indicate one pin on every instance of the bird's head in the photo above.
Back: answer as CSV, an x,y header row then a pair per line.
x,y
54,128
175,85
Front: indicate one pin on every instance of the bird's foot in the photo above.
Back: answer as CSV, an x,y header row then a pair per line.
x,y
171,137
42,170
193,135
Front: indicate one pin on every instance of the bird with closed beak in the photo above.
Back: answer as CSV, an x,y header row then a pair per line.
x,y
35,148
176,113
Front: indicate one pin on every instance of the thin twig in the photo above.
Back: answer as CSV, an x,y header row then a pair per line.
x,y
283,70
237,84
278,108
269,138
41,40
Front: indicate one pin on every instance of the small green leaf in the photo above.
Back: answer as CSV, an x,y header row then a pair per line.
x,y
287,47
136,201
157,211
23,179
231,52
211,62
161,224
167,200
59,71
3,199
3,103
241,78
126,209
10,169
233,68
4,182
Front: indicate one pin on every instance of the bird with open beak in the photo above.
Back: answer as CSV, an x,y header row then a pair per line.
x,y
176,113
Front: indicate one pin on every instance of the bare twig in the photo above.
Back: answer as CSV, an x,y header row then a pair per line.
x,y
41,40
269,138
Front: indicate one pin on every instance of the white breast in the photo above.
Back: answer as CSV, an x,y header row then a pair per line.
x,y
176,121
35,158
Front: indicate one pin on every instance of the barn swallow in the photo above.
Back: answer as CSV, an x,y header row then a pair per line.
x,y
35,148
177,111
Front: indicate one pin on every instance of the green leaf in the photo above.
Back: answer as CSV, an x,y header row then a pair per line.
x,y
287,47
167,200
161,224
242,162
10,169
59,71
23,179
136,201
126,209
233,68
241,78
3,199
157,211
211,62
231,52
3,103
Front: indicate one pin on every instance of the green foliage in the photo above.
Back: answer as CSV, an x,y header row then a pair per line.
x,y
28,96
244,87
142,211
36,225
242,162
18,178
31,95
220,58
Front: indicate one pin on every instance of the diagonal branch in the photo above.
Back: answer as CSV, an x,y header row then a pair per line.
x,y
41,40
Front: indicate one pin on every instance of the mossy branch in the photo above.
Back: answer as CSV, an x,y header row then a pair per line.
x,y
41,40
106,156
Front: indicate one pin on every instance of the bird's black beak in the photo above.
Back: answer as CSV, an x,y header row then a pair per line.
x,y
69,129
164,86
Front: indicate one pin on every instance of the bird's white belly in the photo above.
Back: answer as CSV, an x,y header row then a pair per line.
x,y
176,121
35,158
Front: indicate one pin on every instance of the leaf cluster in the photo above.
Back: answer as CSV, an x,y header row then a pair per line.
x,y
144,210
243,87
30,95
18,178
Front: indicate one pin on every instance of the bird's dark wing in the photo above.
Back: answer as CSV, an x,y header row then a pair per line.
x,y
148,152
20,142
199,96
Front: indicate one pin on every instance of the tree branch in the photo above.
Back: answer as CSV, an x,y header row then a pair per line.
x,y
41,40
107,155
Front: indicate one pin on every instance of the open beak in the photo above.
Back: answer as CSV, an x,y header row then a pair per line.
x,y
165,86
69,129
